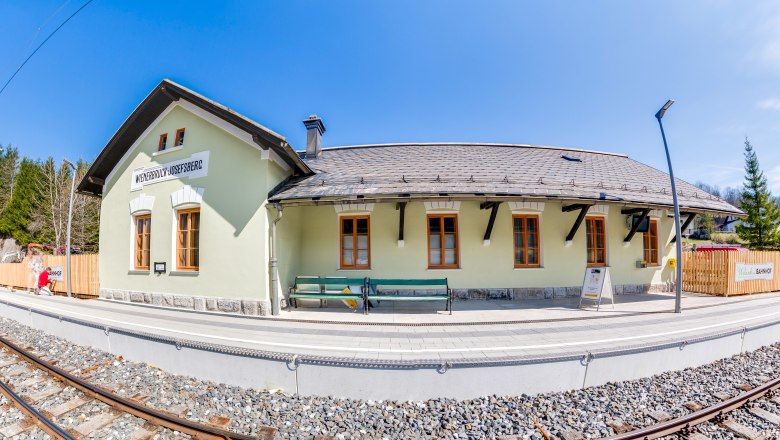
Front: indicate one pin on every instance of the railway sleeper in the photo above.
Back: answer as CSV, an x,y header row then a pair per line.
x,y
766,415
69,406
97,422
741,430
620,427
17,428
144,432
43,394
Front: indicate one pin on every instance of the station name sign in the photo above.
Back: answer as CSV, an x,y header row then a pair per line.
x,y
749,272
192,167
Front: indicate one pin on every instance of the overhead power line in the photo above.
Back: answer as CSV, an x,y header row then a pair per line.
x,y
42,43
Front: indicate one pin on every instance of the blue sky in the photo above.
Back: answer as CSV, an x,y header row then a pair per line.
x,y
577,74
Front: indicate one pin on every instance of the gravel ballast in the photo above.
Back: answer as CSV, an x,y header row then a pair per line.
x,y
590,411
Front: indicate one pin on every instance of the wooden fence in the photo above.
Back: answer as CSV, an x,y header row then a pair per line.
x,y
716,272
84,268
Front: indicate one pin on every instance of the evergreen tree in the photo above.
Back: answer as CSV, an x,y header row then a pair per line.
x,y
9,158
760,228
15,220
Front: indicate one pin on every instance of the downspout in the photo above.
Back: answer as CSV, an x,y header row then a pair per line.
x,y
275,295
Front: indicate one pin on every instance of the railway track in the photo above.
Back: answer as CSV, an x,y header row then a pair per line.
x,y
715,418
36,387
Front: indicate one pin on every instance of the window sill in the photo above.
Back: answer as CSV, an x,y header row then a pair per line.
x,y
138,272
167,150
184,273
368,269
529,268
437,269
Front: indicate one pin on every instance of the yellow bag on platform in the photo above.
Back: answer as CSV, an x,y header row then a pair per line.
x,y
351,303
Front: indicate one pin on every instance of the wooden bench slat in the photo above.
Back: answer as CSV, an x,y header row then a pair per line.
x,y
329,280
407,282
328,295
408,297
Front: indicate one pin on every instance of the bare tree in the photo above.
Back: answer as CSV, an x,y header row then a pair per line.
x,y
86,216
51,220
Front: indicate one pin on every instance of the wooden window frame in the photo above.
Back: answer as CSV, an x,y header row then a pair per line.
x,y
650,242
592,231
138,246
441,218
355,266
179,230
163,142
176,139
538,264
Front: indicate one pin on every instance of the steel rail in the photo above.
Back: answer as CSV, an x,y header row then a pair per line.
x,y
39,419
688,421
153,416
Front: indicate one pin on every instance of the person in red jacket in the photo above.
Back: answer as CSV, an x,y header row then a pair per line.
x,y
43,282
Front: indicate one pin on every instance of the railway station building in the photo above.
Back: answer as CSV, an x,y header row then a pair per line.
x,y
205,209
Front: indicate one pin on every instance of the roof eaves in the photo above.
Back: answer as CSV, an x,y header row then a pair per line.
x,y
157,100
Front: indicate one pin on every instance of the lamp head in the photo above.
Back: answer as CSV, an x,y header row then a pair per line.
x,y
69,163
663,110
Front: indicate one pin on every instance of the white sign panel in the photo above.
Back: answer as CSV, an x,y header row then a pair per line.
x,y
749,272
57,274
594,280
193,167
597,285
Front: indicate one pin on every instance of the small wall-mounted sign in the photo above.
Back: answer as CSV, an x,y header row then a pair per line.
x,y
159,267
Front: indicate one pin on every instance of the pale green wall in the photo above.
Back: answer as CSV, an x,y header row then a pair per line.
x,y
481,266
234,220
235,231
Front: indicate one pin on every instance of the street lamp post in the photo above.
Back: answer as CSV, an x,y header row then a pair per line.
x,y
70,216
677,231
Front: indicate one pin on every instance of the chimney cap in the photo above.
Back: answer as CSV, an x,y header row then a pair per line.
x,y
314,121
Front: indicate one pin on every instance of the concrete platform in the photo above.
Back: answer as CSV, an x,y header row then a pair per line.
x,y
415,353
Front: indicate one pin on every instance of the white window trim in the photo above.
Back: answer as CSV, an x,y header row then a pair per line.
x,y
442,206
142,204
168,150
658,244
338,241
541,239
191,196
174,231
606,237
457,236
523,207
187,197
353,208
131,263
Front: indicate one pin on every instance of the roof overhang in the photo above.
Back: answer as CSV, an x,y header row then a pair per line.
x,y
492,198
166,93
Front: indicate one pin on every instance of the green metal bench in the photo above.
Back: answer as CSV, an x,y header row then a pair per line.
x,y
324,288
373,292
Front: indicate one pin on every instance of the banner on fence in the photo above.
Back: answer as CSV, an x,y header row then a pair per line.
x,y
748,272
57,274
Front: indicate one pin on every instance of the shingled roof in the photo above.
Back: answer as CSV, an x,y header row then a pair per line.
x,y
488,171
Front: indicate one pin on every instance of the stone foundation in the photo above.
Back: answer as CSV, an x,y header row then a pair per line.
x,y
227,305
531,293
